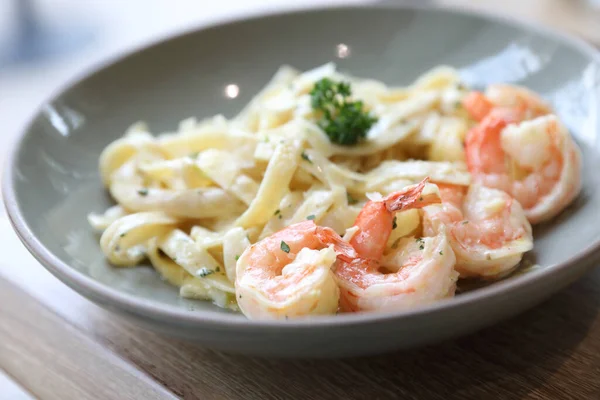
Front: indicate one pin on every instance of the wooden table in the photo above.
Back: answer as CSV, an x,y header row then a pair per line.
x,y
54,344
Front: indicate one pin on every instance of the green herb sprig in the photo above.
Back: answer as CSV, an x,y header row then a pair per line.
x,y
344,121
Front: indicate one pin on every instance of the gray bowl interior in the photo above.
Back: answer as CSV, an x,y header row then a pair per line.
x,y
56,182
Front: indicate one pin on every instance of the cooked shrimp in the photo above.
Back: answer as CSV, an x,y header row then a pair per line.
x,y
536,160
417,272
487,229
523,101
288,274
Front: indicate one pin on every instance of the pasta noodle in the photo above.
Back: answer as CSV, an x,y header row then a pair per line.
x,y
193,200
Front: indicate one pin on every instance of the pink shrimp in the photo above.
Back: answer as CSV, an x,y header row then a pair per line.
x,y
521,148
487,229
417,272
288,274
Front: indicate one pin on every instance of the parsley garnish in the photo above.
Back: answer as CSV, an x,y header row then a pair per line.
x,y
441,253
237,258
421,247
193,155
465,222
344,121
305,157
394,225
218,269
202,272
351,200
310,217
143,192
284,247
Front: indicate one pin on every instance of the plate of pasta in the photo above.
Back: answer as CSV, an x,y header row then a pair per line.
x,y
307,203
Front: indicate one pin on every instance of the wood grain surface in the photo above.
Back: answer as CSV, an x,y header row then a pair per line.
x,y
53,360
55,344
10,390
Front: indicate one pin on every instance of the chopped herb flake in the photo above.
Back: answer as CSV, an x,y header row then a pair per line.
x,y
311,217
394,224
441,253
237,258
344,121
194,155
421,247
277,211
465,222
123,234
143,192
305,157
351,200
202,272
284,247
218,269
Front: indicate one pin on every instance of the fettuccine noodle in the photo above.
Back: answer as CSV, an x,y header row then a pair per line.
x,y
191,202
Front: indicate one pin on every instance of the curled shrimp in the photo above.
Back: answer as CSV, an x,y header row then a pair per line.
x,y
288,274
523,102
419,271
521,148
487,229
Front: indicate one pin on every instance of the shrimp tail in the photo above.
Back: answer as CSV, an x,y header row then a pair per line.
x,y
477,105
411,198
343,249
483,146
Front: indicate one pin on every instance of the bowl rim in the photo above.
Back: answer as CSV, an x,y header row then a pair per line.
x,y
132,304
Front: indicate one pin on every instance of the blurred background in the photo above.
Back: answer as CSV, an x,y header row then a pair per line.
x,y
46,43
